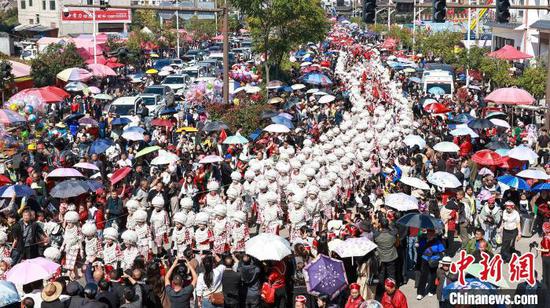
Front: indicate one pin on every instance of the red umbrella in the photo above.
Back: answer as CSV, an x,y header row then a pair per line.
x,y
510,163
487,158
162,122
57,91
509,52
510,96
436,108
4,180
120,174
325,63
46,94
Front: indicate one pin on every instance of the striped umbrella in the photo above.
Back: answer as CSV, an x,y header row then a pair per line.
x,y
10,117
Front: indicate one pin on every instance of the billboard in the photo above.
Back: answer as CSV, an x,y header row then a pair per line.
x,y
110,15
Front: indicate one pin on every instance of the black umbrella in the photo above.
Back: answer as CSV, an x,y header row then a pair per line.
x,y
495,145
480,124
69,188
73,117
214,126
421,221
267,114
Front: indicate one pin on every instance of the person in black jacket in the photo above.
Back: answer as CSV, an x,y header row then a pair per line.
x,y
250,275
107,296
27,236
232,284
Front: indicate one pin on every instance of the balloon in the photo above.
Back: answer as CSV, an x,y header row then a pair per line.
x,y
25,134
28,109
32,118
20,103
209,86
39,126
13,107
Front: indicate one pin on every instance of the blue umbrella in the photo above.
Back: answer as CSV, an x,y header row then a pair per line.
x,y
255,134
415,79
502,152
282,120
134,129
421,221
480,124
100,146
471,284
120,121
8,293
513,181
73,117
317,79
325,275
541,187
462,118
93,185
436,91
168,110
495,145
17,190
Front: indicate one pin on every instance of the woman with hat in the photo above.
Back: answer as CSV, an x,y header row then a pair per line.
x,y
220,228
444,277
112,253
545,253
393,297
50,295
511,230
354,300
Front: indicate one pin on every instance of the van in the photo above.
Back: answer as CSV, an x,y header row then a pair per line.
x,y
438,79
125,107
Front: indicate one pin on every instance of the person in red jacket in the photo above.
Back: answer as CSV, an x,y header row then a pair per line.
x,y
393,298
354,300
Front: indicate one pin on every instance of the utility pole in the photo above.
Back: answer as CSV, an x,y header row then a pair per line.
x,y
177,31
225,54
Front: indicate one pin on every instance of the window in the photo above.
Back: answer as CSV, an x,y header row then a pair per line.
x,y
30,3
43,5
37,18
90,2
31,21
52,5
23,4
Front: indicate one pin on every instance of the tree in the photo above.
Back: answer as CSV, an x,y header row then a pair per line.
x,y
145,18
245,116
440,45
53,60
201,27
6,78
278,26
533,80
8,20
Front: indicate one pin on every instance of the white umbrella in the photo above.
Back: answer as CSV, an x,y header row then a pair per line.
x,y
133,136
412,140
252,89
210,159
401,202
523,153
327,99
298,86
311,91
320,93
446,147
237,90
64,173
332,245
267,246
500,122
355,247
88,166
165,158
415,182
536,174
463,131
444,179
277,128
304,64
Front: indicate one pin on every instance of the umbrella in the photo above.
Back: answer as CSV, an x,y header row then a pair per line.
x,y
444,179
133,136
500,123
214,126
523,153
91,90
274,84
266,114
100,146
541,187
147,150
64,173
275,100
276,128
487,158
87,166
252,89
74,117
317,79
8,293
463,131
415,79
162,122
44,94
412,140
480,124
187,129
165,158
515,182
69,188
421,221
236,139
120,174
502,152
311,91
31,270
8,117
286,115
102,96
496,114
495,145
427,101
88,121
17,190
484,171
210,159
101,70
283,121
326,99
509,53
462,118
446,147
93,185
414,182
401,202
533,174
297,86
355,247
475,270
4,180
267,246
471,284
436,108
436,91
134,129
74,74
151,71
510,96
75,86
121,121
325,275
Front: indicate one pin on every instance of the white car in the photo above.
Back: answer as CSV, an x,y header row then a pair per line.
x,y
153,102
176,82
125,107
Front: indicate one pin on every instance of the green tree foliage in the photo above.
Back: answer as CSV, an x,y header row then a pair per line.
x,y
533,80
53,60
440,44
145,18
245,116
8,20
403,35
201,28
6,79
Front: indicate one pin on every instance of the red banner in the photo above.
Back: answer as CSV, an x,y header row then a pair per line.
x,y
113,15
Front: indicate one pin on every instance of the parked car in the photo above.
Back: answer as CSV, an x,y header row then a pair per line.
x,y
153,102
125,107
178,83
166,93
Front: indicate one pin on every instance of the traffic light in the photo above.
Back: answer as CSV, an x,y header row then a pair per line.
x,y
104,4
503,11
369,11
439,10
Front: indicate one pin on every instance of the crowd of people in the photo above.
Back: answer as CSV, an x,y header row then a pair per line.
x,y
162,231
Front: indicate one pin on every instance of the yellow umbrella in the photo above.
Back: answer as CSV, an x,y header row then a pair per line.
x,y
275,100
154,55
151,71
186,129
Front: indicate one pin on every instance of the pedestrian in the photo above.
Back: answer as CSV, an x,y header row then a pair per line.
x,y
179,291
444,277
431,250
231,283
393,297
27,236
354,300
511,230
50,295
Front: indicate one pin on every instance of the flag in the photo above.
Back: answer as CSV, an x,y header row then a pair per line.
x,y
222,137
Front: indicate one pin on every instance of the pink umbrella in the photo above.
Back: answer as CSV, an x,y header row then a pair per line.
x,y
65,173
101,70
74,74
510,96
86,166
510,53
31,270
94,90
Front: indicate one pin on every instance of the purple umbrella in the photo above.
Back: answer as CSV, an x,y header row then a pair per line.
x,y
65,173
325,275
31,270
